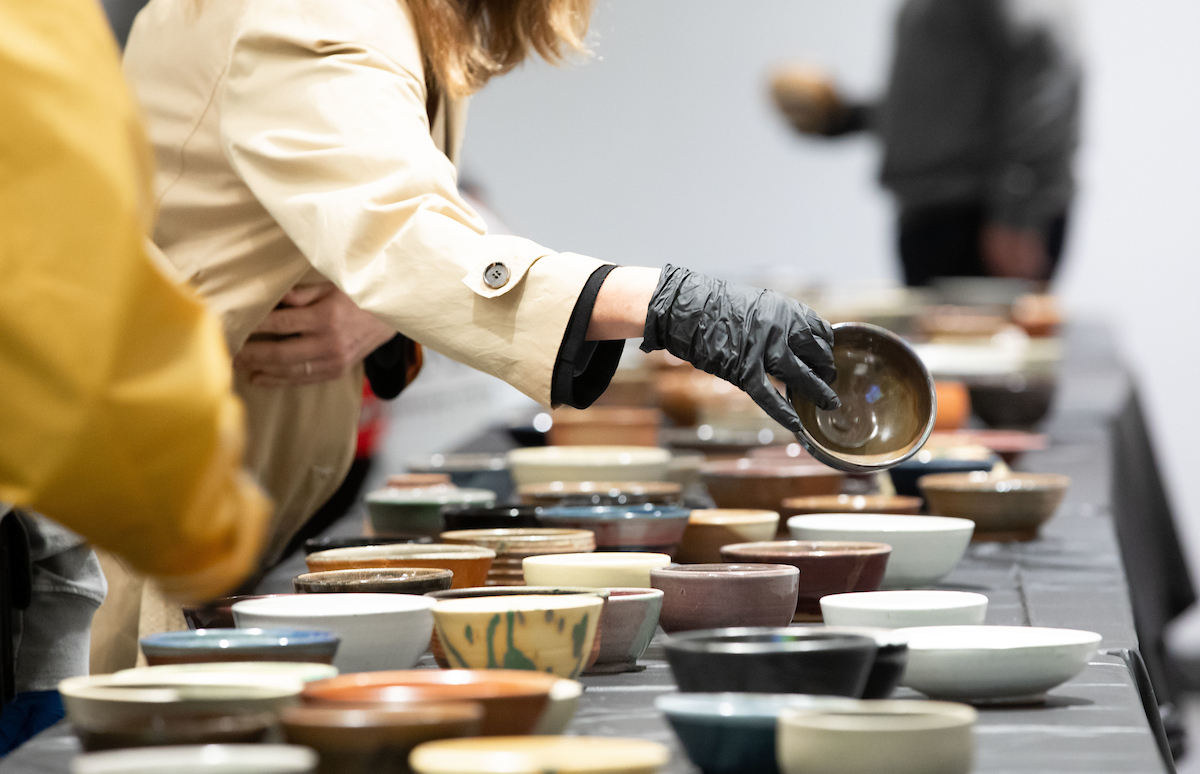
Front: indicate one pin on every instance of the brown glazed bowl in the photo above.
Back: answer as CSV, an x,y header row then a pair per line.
x,y
218,613
513,699
470,564
708,530
846,503
1016,401
1004,508
604,426
1009,444
380,580
557,493
411,480
513,545
953,405
168,730
764,484
714,596
826,567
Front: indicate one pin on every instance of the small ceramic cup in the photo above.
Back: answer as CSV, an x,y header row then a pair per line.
x,y
712,596
628,623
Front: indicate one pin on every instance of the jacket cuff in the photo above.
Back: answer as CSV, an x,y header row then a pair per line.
x,y
584,368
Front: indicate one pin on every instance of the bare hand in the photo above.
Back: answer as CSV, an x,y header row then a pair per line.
x,y
316,334
1014,252
807,97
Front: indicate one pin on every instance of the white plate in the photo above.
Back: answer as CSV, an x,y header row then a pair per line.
x,y
898,609
201,759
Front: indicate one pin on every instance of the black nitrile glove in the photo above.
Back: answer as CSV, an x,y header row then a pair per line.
x,y
743,335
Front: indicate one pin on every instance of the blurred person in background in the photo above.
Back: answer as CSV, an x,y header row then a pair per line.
x,y
979,126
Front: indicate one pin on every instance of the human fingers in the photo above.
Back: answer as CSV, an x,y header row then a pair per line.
x,y
289,321
814,352
796,374
769,400
307,294
287,358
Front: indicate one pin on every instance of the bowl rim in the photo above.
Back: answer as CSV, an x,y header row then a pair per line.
x,y
237,638
477,462
284,757
758,467
705,517
601,455
700,641
524,603
560,488
542,753
881,715
429,495
862,600
394,551
331,576
517,682
602,559
891,523
519,534
1031,483
755,708
849,548
384,716
725,570
653,511
474,592
341,606
994,638
800,502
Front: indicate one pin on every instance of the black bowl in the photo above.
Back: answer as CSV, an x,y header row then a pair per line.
x,y
312,545
771,660
891,656
497,517
905,475
1014,402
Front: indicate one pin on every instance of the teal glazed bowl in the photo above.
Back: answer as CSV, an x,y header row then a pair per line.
x,y
647,528
199,646
418,510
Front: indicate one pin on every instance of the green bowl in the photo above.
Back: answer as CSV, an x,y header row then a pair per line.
x,y
418,511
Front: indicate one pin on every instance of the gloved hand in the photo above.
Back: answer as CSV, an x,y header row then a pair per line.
x,y
743,335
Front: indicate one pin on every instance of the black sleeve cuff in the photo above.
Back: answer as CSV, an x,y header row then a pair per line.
x,y
387,368
584,368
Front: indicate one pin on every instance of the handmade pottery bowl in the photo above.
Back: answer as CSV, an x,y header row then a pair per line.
x,y
627,625
1004,507
305,672
160,731
764,484
654,528
1010,445
218,613
770,660
890,658
826,567
550,634
496,517
994,663
470,564
513,700
197,646
924,548
1014,400
378,631
899,737
200,759
708,530
734,733
901,609
561,708
377,580
418,510
563,493
470,471
963,459
604,426
313,545
953,405
599,570
717,596
417,480
847,503
366,740
540,754
513,545
588,463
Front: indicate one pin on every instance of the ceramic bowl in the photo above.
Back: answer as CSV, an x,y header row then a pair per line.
x,y
764,484
551,634
891,656
771,660
734,733
540,754
417,480
197,646
717,596
588,463
599,570
378,631
826,567
963,459
901,609
470,564
313,545
513,700
470,471
305,672
888,403
496,517
1013,401
218,613
560,709
899,737
708,530
994,663
848,503
201,759
924,548
560,493
160,731
953,405
1010,445
654,528
723,443
1003,507
604,426
627,625
513,545
418,510
378,580
376,740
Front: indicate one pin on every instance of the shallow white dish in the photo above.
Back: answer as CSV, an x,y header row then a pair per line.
x,y
606,569
544,464
200,759
994,663
288,670
924,548
378,631
900,609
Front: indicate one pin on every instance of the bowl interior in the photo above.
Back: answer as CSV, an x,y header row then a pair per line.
x,y
333,605
539,753
232,639
717,571
880,523
805,548
287,670
905,600
846,503
880,716
995,637
557,489
260,758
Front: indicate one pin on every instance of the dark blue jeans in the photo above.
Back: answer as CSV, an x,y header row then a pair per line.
x,y
29,714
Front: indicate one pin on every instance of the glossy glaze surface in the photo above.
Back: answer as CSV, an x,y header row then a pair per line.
x,y
470,564
708,530
197,646
655,528
380,580
712,596
1003,507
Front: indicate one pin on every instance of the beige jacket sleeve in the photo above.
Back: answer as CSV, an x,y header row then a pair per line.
x,y
324,117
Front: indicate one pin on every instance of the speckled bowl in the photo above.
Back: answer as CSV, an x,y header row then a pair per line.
x,y
380,580
653,528
1003,507
710,596
470,564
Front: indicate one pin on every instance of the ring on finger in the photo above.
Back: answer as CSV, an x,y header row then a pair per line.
x,y
307,368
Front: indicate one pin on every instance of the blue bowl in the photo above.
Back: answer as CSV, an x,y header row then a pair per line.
x,y
905,475
734,733
652,528
199,646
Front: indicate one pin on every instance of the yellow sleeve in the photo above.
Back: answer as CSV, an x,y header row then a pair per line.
x,y
117,417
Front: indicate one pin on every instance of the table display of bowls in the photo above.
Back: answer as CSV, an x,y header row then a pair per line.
x,y
98,701
513,545
924,548
604,426
559,493
418,510
560,708
901,609
513,699
627,625
717,596
540,465
313,545
1013,400
764,484
196,646
848,503
162,731
826,567
378,631
953,405
470,471
1010,445
734,733
376,580
218,613
654,528
598,570
201,759
708,530
305,672
470,564
899,737
359,741
961,459
1005,507
771,660
539,755
891,656
496,517
982,664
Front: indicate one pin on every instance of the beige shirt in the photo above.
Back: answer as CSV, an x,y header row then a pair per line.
x,y
293,145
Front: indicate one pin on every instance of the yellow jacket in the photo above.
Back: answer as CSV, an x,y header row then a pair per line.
x,y
117,417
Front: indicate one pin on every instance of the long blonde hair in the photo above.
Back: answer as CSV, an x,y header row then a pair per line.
x,y
466,42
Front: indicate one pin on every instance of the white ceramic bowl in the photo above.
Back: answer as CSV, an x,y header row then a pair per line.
x,y
994,663
561,708
899,609
538,755
200,759
287,670
924,548
897,737
378,631
594,571
544,464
